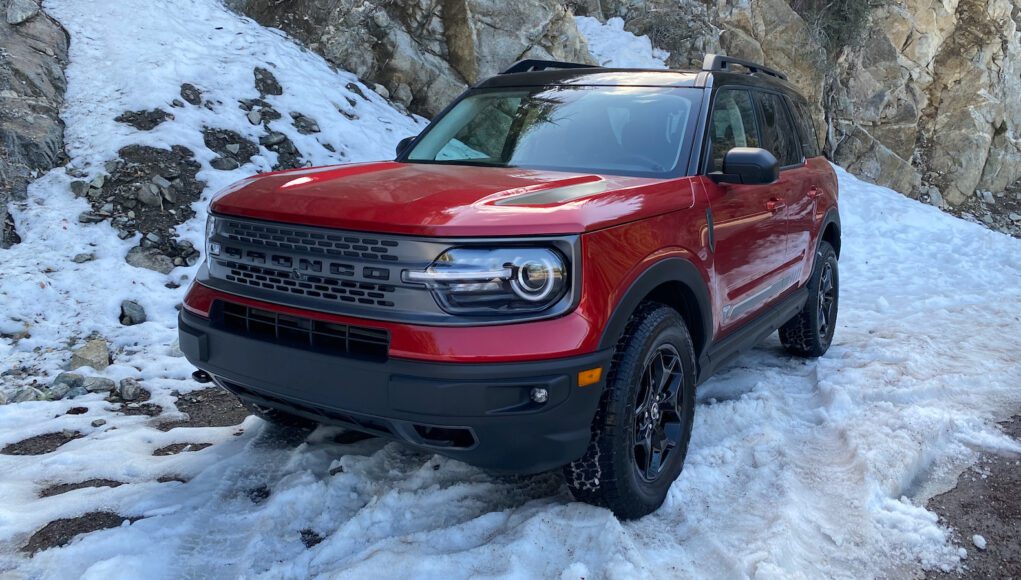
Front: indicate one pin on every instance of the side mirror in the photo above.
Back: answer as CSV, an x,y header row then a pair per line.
x,y
403,145
748,166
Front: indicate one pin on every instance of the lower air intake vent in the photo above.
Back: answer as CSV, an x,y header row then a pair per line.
x,y
305,333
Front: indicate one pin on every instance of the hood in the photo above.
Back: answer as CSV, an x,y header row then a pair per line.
x,y
450,200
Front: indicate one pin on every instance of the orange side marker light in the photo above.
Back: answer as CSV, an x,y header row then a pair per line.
x,y
590,377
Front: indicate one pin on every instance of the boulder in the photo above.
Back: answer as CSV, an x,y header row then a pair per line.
x,y
95,353
132,313
150,259
129,389
98,384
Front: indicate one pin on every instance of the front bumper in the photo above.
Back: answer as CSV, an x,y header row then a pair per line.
x,y
481,414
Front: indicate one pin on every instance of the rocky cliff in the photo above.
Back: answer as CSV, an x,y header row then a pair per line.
x,y
33,51
423,53
923,96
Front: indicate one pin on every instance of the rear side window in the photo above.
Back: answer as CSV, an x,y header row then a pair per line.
x,y
806,128
732,125
781,138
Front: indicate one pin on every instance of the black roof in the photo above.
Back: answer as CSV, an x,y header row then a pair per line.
x,y
717,70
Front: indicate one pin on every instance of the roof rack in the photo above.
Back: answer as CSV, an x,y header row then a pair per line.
x,y
533,65
721,63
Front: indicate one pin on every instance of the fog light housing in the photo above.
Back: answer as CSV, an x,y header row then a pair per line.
x,y
539,395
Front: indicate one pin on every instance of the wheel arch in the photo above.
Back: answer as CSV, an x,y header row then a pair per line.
x,y
831,230
677,283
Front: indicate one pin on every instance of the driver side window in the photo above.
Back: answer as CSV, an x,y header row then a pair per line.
x,y
732,125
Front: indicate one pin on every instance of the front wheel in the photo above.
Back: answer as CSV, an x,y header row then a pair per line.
x,y
810,332
640,432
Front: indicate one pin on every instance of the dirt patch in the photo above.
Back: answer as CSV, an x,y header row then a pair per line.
x,y
137,407
176,448
77,411
986,502
212,407
40,444
144,120
60,532
170,478
66,487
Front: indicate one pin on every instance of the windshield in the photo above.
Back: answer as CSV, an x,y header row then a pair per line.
x,y
644,131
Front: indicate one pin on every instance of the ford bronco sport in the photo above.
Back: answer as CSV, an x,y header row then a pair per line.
x,y
539,279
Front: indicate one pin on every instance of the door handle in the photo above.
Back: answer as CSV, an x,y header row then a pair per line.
x,y
775,205
814,192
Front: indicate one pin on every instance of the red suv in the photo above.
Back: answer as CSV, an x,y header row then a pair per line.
x,y
541,277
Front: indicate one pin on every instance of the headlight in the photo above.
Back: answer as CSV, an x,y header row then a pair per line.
x,y
472,280
212,248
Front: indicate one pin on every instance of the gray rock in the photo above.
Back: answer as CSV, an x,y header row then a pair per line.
x,y
98,423
149,195
71,380
98,181
305,125
273,138
19,11
254,117
161,182
170,196
98,385
129,389
1014,217
82,258
153,237
191,94
76,392
64,383
987,197
381,91
224,163
27,394
94,353
266,83
106,209
233,148
132,313
79,188
87,217
3,398
150,259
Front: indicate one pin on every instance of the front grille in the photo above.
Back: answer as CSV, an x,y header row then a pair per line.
x,y
313,242
305,333
314,286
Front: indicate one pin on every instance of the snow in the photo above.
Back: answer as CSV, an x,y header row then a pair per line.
x,y
979,542
817,468
613,46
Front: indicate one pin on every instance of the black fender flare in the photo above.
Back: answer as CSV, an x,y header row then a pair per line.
x,y
664,271
832,217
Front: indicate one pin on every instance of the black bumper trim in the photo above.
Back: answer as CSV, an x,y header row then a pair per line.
x,y
412,400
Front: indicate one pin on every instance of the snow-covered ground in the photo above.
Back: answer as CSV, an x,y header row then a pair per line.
x,y
796,468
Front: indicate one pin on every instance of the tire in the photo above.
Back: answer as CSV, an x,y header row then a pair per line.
x,y
810,333
280,418
618,471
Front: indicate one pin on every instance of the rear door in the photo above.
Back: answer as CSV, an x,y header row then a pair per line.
x,y
784,141
749,224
